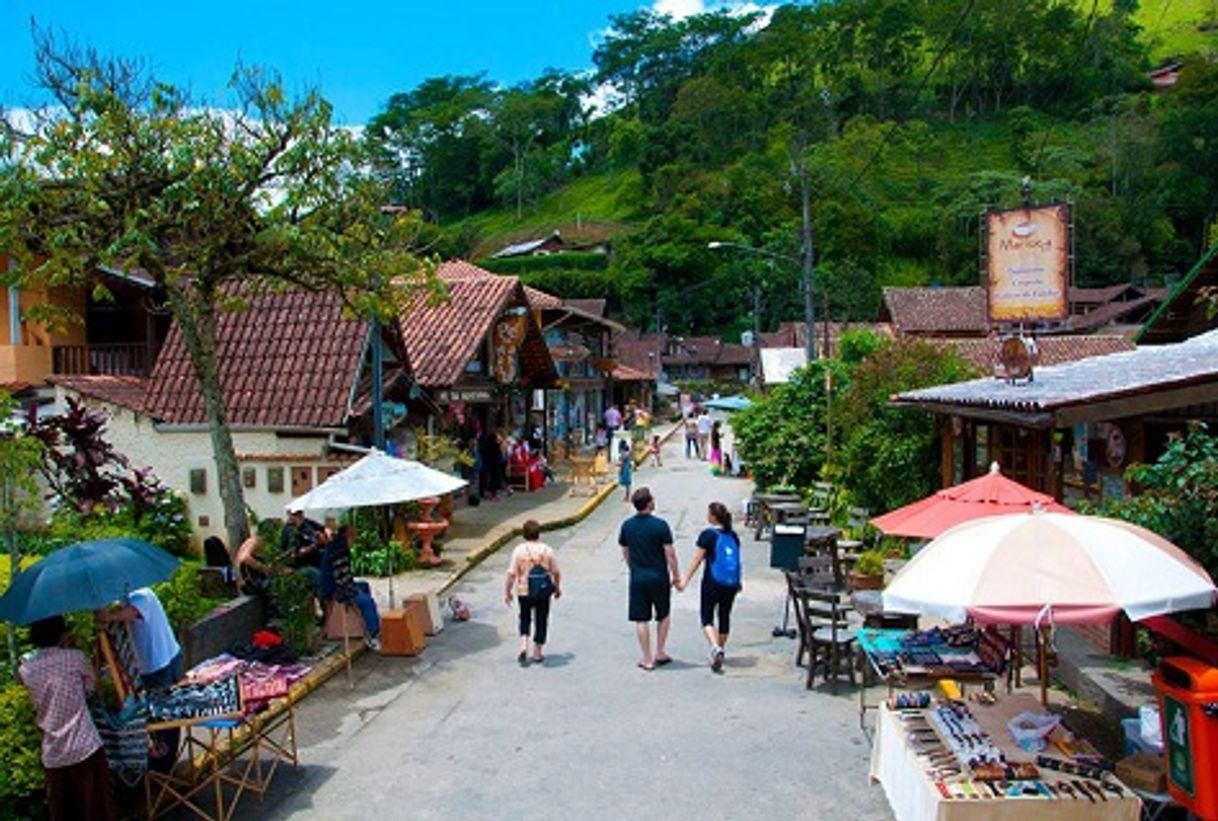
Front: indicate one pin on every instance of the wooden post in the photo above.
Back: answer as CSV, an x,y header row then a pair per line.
x,y
1042,662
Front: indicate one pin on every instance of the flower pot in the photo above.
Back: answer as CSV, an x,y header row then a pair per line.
x,y
874,581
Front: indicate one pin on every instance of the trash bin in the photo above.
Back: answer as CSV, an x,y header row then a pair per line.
x,y
787,545
1188,696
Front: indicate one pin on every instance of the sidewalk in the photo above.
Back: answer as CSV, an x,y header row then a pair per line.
x,y
477,532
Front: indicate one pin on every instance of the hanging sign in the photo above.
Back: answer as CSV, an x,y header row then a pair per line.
x,y
506,338
1027,263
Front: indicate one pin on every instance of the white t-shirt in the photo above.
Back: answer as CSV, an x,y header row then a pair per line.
x,y
704,424
155,643
524,556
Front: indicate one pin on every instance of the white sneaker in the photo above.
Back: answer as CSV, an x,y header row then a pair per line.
x,y
373,643
717,659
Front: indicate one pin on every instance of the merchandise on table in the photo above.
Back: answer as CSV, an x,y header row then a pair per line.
x,y
952,762
191,700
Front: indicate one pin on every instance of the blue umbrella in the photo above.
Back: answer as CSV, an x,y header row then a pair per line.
x,y
729,403
84,576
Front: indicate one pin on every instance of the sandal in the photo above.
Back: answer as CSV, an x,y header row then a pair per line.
x,y
647,667
663,661
523,659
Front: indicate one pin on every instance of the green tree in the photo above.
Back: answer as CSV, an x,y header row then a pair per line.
x,y
128,172
436,146
1178,496
20,458
889,456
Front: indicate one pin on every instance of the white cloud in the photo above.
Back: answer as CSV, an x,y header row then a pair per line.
x,y
678,9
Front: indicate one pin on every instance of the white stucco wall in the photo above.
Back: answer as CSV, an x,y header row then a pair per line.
x,y
173,454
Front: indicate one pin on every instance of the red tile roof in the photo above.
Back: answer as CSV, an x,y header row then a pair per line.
x,y
540,300
443,337
937,311
1052,350
640,352
625,373
125,391
595,307
287,360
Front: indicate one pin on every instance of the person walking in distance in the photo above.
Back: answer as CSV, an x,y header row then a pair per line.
x,y
704,423
718,548
533,577
625,468
654,450
691,436
647,549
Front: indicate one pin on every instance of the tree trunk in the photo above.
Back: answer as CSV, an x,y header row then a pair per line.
x,y
197,319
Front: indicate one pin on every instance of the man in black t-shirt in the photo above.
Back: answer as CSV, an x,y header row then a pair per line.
x,y
647,549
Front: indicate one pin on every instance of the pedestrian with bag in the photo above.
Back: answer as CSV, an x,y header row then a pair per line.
x,y
718,547
533,576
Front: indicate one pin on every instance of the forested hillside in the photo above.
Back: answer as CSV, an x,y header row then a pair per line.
x,y
905,117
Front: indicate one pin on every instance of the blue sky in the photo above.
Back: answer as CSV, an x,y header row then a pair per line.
x,y
358,55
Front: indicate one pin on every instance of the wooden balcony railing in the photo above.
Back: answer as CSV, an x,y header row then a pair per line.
x,y
124,359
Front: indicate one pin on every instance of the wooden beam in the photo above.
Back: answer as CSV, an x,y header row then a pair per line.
x,y
1136,405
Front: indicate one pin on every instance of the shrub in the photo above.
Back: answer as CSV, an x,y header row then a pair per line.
x,y
870,563
20,750
180,596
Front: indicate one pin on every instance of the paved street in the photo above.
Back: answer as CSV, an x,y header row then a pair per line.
x,y
462,732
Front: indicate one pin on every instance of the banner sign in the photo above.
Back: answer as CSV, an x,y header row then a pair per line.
x,y
1027,263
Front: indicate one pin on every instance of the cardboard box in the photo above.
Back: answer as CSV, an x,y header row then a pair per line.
x,y
338,615
435,621
1143,772
402,632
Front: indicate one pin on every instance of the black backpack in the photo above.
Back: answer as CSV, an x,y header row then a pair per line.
x,y
541,583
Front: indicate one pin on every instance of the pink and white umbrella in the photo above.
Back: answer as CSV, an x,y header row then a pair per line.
x,y
1042,568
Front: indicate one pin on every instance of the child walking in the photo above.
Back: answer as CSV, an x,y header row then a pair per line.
x,y
625,467
654,450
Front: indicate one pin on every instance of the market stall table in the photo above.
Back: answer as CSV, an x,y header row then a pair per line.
x,y
919,666
916,796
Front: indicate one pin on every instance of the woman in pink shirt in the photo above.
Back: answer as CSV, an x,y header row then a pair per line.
x,y
58,678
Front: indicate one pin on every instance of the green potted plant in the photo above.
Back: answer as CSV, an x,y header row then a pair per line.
x,y
868,572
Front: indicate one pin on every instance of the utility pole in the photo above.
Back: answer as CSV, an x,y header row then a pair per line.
x,y
757,376
809,295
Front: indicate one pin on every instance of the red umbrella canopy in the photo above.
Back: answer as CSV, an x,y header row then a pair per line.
x,y
989,495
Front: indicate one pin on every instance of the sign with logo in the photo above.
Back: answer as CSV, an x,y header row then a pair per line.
x,y
1027,263
1179,745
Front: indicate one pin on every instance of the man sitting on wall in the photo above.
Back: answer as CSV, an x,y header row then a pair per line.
x,y
298,543
338,585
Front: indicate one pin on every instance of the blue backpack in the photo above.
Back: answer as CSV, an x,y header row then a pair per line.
x,y
725,569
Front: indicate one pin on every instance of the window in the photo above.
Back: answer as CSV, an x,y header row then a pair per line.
x,y
249,477
274,480
302,480
198,481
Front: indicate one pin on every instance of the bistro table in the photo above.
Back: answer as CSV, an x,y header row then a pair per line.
x,y
762,502
916,796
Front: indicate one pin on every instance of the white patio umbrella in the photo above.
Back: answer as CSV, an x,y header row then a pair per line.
x,y
1042,568
377,479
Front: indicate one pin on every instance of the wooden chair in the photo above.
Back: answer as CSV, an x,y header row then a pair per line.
x,y
816,572
821,507
794,586
856,526
828,632
518,475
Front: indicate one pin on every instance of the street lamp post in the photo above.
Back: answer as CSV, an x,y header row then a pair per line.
x,y
809,293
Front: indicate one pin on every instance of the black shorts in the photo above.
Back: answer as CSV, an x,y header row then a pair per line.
x,y
646,597
717,599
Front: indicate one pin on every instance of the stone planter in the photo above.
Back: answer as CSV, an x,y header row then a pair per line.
x,y
235,620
